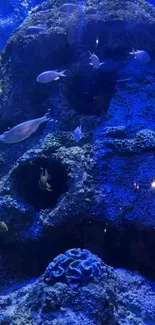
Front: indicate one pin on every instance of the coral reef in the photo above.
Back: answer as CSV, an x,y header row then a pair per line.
x,y
144,140
115,297
114,131
101,197
11,16
76,268
71,42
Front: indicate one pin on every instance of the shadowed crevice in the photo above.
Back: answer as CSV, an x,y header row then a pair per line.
x,y
26,183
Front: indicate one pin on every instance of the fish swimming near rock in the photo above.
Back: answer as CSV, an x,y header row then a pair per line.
x,y
95,62
124,80
77,134
43,181
3,227
140,55
69,8
23,130
34,30
51,75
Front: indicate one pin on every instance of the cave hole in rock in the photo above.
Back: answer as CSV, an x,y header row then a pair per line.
x,y
26,182
91,90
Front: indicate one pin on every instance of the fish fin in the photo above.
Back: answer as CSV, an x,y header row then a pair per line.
x,y
132,52
101,63
57,78
80,127
48,116
61,73
48,185
49,189
90,53
90,63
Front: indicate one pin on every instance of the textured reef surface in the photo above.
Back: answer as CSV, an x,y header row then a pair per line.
x,y
12,13
110,296
101,189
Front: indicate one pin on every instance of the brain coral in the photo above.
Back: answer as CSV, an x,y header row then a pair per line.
x,y
75,267
144,140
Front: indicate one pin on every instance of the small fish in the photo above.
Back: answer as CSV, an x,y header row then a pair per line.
x,y
124,80
69,8
48,76
77,134
34,30
3,227
23,130
97,41
43,182
140,55
95,62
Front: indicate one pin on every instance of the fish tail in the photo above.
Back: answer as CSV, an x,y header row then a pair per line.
x,y
47,116
61,73
132,52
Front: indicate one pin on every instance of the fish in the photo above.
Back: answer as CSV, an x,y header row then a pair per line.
x,y
140,55
95,62
124,80
3,227
97,41
34,30
77,134
51,75
69,8
43,181
23,130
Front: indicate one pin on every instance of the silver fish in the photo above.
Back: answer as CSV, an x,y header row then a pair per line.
x,y
97,41
95,62
69,8
140,55
124,80
77,134
23,130
51,75
34,30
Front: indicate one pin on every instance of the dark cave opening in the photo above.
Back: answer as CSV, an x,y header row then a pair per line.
x,y
28,185
90,91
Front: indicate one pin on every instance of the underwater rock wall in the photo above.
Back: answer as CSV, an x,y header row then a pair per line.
x,y
100,193
91,185
64,44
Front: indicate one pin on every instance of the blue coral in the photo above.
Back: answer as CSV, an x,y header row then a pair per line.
x,y
75,267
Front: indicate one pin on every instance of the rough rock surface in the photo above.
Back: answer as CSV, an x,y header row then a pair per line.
x,y
26,56
101,198
110,298
12,14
